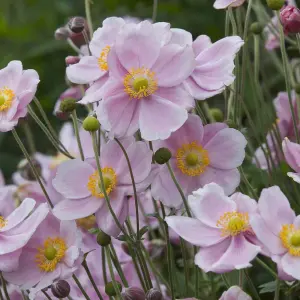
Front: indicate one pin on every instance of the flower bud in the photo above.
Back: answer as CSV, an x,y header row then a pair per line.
x,y
162,156
26,171
256,28
290,19
154,294
60,289
231,124
110,290
61,34
275,4
67,105
91,123
217,114
297,88
133,293
103,239
76,24
71,60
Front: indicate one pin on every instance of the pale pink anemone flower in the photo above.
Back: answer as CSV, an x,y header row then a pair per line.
x,y
235,293
221,228
284,124
200,155
292,156
15,231
223,4
79,183
17,89
7,203
145,90
278,229
52,253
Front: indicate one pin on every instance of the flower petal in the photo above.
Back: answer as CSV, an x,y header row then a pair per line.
x,y
292,154
291,265
244,203
10,262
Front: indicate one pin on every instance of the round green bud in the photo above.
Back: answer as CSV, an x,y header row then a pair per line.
x,y
103,239
217,114
256,28
275,4
162,156
67,105
110,290
91,123
297,88
231,124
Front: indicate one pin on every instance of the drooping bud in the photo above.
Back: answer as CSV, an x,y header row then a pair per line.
x,y
26,171
154,294
76,24
67,105
60,289
110,290
256,28
61,34
162,156
91,123
71,60
290,19
103,239
275,4
217,114
133,293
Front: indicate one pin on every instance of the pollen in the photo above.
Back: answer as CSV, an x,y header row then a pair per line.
x,y
6,98
3,222
109,182
290,238
233,223
192,159
50,254
140,83
102,60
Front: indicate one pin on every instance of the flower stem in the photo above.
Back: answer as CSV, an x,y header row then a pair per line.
x,y
3,283
185,265
154,14
266,267
35,172
277,291
252,286
1,295
89,17
80,287
87,270
207,112
76,130
29,138
46,294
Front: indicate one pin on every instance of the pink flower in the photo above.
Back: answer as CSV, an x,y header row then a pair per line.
x,y
223,4
220,227
15,231
278,229
17,89
290,19
79,183
292,156
272,40
214,66
235,293
200,155
51,254
145,83
7,204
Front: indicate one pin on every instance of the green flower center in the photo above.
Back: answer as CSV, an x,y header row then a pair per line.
x,y
192,159
2,100
140,83
295,239
235,224
50,252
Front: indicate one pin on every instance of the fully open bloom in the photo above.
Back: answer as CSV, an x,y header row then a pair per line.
x,y
15,231
17,89
278,229
235,293
220,227
7,204
292,156
144,90
200,155
79,182
52,253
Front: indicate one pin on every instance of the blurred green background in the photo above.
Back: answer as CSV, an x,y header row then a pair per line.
x,y
27,34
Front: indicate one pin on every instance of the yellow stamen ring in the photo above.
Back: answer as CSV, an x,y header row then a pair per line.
x,y
290,238
6,98
102,60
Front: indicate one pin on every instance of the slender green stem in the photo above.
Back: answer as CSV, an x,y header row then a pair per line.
x,y
35,172
252,286
46,294
76,130
241,279
185,265
103,265
3,283
87,270
267,268
74,47
29,138
206,108
256,57
277,290
179,189
89,16
154,14
225,281
80,287
233,22
1,295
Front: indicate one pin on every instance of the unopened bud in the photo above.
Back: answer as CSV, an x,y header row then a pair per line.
x,y
71,60
162,156
297,88
110,290
256,28
91,123
217,114
154,294
61,34
103,239
67,105
76,24
26,171
290,19
60,289
275,4
133,293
